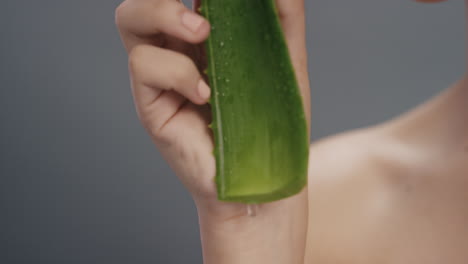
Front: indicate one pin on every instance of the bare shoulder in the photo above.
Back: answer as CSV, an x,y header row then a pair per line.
x,y
347,187
340,158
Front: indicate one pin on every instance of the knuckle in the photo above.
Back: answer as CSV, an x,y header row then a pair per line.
x,y
162,9
165,5
154,130
135,56
160,4
152,124
119,13
184,71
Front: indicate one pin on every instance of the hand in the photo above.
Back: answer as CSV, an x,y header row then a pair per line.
x,y
163,39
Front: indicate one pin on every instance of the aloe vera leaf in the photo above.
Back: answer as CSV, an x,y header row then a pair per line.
x,y
259,124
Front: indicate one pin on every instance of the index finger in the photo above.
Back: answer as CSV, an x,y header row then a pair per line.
x,y
147,18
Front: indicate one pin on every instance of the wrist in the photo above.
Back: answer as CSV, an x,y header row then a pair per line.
x,y
276,234
213,210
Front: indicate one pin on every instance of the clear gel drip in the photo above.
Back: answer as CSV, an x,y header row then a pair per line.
x,y
252,210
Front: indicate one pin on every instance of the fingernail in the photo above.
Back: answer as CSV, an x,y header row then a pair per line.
x,y
192,21
203,90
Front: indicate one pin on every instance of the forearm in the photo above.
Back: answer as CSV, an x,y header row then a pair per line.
x,y
276,235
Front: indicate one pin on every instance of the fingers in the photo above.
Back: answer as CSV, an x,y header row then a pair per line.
x,y
162,81
292,19
290,8
145,18
154,70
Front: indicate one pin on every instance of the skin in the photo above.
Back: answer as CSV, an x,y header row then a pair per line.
x,y
397,196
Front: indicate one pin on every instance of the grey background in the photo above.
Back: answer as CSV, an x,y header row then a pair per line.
x,y
80,181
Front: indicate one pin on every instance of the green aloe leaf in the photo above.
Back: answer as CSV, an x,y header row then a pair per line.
x,y
259,125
